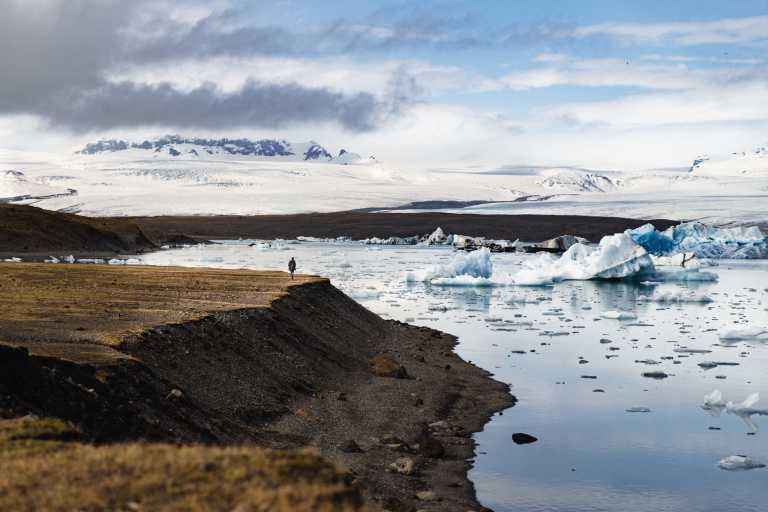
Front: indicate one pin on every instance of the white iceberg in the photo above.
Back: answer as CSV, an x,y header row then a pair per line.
x,y
746,409
739,463
617,256
471,269
714,404
744,334
619,315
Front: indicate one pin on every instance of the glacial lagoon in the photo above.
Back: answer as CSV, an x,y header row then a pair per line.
x,y
576,373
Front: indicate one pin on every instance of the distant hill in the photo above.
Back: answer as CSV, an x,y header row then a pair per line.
x,y
26,229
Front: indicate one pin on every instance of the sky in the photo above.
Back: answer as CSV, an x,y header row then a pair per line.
x,y
592,83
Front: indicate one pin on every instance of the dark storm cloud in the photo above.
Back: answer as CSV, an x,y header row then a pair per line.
x,y
54,56
127,104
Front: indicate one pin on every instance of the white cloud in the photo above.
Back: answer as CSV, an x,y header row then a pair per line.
x,y
737,102
618,72
734,31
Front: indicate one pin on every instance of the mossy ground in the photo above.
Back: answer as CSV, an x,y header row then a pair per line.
x,y
45,467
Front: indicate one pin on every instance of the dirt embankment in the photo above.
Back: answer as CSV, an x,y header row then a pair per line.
x,y
30,230
359,225
240,358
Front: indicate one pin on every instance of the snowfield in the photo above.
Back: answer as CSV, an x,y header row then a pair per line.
x,y
177,176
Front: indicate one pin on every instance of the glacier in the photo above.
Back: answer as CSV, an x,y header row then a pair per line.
x,y
703,241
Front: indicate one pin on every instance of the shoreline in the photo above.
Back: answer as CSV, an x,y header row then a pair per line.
x,y
239,358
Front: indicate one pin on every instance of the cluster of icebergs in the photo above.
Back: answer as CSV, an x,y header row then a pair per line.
x,y
615,257
634,253
703,241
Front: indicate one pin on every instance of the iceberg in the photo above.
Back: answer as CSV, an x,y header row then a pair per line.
x,y
739,463
471,269
703,241
616,257
656,243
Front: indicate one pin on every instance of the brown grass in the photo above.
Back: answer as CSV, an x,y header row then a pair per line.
x,y
40,472
49,308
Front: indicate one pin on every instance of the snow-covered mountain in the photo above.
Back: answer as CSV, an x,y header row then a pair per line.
x,y
744,163
15,187
177,176
178,147
576,180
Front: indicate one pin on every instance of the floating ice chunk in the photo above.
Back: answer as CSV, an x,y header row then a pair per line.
x,y
712,242
746,409
438,237
475,265
703,241
739,463
618,315
745,334
617,256
363,294
714,403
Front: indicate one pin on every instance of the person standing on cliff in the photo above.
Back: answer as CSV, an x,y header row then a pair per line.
x,y
292,266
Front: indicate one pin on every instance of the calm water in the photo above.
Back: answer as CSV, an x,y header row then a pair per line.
x,y
592,455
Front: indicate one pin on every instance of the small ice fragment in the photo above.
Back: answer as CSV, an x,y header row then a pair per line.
x,y
739,463
618,315
744,334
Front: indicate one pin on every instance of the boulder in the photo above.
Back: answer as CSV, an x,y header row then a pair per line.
x,y
384,365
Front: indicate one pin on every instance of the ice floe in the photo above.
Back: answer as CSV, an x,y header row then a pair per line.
x,y
618,315
739,463
715,404
744,334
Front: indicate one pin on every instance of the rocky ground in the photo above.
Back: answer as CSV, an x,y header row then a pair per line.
x,y
229,360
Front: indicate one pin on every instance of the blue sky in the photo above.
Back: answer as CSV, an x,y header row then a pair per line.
x,y
596,83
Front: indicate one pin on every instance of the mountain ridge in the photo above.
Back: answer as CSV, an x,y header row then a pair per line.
x,y
199,147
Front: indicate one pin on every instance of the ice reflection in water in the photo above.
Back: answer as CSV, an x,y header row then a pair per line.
x,y
591,455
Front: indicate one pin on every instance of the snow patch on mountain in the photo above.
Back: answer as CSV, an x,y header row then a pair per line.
x,y
575,180
178,147
16,187
752,163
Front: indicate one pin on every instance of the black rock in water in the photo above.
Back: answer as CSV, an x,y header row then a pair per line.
x,y
523,438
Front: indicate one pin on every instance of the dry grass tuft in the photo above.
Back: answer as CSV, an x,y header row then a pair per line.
x,y
41,471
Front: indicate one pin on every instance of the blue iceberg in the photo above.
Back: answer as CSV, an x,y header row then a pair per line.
x,y
703,241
